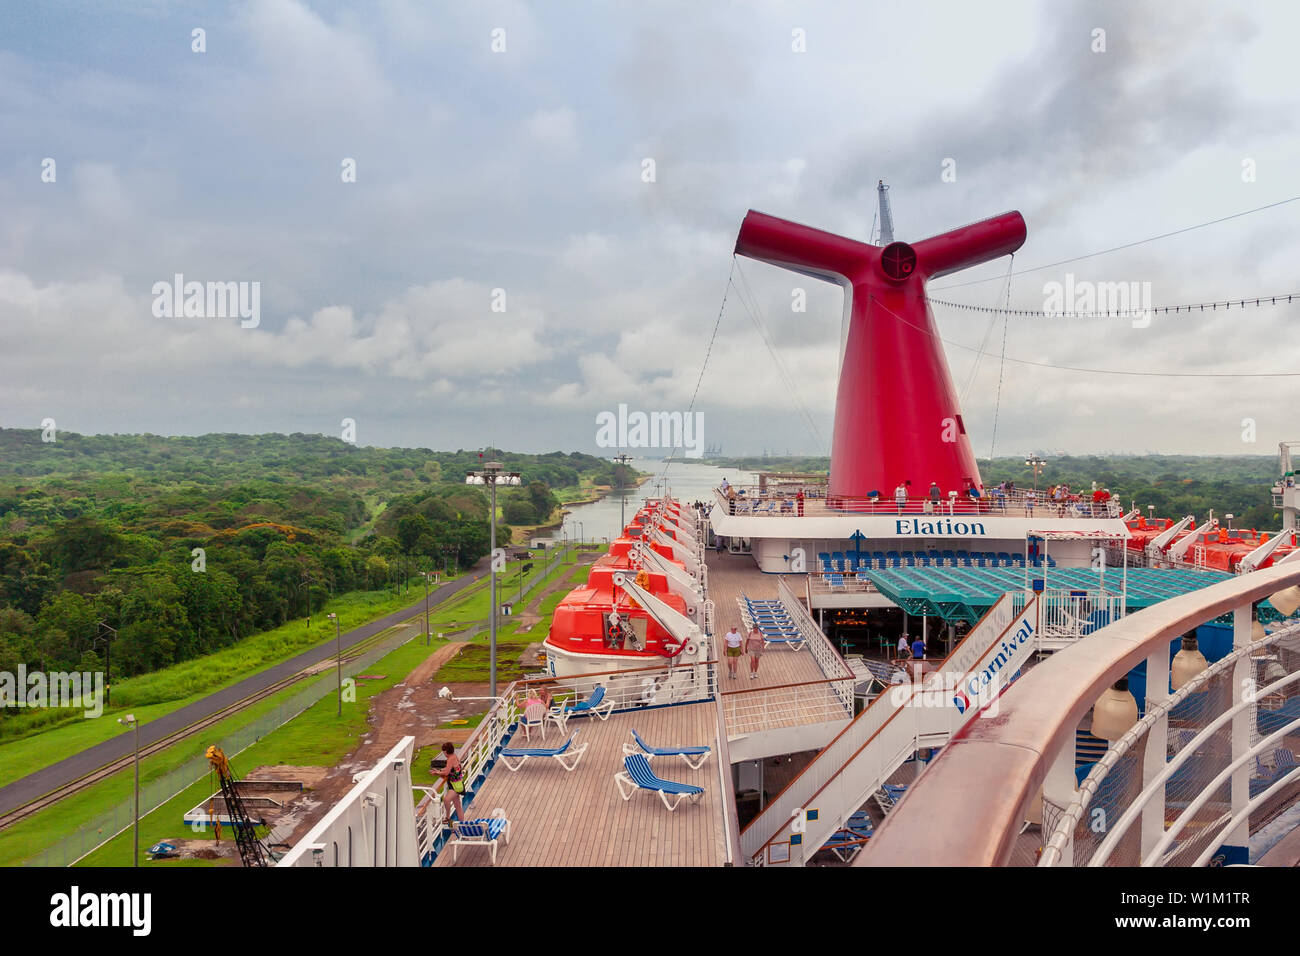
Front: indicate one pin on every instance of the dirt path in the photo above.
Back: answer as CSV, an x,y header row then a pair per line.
x,y
530,615
412,707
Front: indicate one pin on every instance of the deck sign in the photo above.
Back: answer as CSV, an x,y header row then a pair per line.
x,y
938,527
985,680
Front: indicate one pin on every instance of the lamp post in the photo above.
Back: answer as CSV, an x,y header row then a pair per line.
x,y
130,721
1036,463
338,650
622,489
492,473
107,634
426,575
582,536
307,581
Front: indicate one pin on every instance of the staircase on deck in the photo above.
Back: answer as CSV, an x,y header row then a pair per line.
x,y
860,759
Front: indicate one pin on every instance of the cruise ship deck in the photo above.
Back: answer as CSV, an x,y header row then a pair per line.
x,y
792,687
578,818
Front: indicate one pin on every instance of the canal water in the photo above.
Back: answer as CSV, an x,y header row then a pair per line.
x,y
685,480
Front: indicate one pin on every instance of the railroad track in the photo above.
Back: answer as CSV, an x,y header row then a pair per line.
x,y
95,776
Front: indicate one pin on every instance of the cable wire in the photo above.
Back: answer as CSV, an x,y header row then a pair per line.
x,y
1130,245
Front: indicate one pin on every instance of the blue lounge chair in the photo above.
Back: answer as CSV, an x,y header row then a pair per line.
x,y
595,704
566,758
637,775
793,641
482,832
845,844
694,756
888,795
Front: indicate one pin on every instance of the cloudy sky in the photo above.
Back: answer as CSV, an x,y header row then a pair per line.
x,y
501,146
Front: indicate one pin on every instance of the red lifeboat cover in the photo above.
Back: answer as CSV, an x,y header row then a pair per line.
x,y
581,619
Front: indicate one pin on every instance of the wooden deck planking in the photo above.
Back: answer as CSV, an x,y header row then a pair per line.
x,y
579,818
730,576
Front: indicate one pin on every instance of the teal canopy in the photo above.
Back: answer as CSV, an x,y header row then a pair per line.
x,y
964,594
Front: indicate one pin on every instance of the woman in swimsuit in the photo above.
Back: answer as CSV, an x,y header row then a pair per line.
x,y
454,774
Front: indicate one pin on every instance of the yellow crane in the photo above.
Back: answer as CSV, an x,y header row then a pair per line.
x,y
251,851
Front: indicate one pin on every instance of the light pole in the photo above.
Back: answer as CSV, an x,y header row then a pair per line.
x,y
106,634
492,473
338,650
130,721
622,489
426,575
1034,462
582,536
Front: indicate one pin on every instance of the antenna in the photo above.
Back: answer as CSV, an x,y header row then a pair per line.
x,y
886,214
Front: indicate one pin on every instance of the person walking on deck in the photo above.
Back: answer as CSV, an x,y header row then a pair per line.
x,y
733,640
904,646
454,774
754,645
900,497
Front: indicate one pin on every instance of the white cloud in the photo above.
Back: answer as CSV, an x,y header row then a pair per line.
x,y
555,129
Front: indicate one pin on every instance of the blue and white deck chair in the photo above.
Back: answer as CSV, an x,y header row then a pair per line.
x,y
694,756
482,832
516,757
637,775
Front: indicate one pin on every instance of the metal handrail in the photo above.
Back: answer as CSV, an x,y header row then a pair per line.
x,y
1222,777
1018,502
819,645
802,683
1286,780
968,806
1088,789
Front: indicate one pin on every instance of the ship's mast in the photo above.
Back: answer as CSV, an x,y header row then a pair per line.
x,y
886,215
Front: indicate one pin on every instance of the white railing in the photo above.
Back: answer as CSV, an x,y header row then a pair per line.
x,y
626,689
821,584
819,645
756,709
1184,743
1017,504
1070,615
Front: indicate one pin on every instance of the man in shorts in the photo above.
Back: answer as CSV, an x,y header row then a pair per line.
x,y
731,642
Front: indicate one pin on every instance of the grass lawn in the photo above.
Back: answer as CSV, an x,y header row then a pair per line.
x,y
43,829
471,664
153,695
317,737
